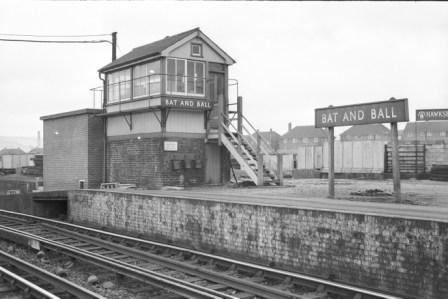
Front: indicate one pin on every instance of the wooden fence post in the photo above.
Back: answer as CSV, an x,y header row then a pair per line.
x,y
260,171
220,121
280,169
239,113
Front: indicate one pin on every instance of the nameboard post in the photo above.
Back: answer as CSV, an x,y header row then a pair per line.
x,y
331,162
392,111
395,160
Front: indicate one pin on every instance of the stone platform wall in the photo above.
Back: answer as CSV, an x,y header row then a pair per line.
x,y
403,256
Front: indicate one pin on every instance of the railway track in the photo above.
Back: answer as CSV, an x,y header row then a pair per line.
x,y
188,273
20,279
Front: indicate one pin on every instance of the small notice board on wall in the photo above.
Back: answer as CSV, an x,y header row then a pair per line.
x,y
170,146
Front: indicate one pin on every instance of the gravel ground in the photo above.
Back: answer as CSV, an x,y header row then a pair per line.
x,y
416,192
78,274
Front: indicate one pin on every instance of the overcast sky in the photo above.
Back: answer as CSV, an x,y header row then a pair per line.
x,y
292,57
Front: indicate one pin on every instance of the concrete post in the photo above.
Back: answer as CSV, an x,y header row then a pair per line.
x,y
331,162
395,160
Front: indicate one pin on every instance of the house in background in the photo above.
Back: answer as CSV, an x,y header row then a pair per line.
x,y
271,137
430,132
36,151
14,158
369,132
302,136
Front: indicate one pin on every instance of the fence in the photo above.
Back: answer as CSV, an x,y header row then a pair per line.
x,y
436,154
350,157
366,157
411,156
356,157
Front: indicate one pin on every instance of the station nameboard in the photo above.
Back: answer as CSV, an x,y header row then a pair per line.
x,y
196,104
431,114
361,114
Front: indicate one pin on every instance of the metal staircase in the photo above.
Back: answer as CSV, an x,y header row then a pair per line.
x,y
248,149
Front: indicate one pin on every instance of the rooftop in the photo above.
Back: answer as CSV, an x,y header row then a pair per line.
x,y
305,131
424,126
156,48
365,130
11,151
72,113
37,151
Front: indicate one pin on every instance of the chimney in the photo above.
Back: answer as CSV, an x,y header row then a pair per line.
x,y
114,46
38,138
289,127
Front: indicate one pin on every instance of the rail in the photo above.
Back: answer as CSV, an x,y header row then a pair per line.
x,y
162,281
43,275
25,285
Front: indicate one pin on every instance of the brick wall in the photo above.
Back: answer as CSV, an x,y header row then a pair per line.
x,y
144,163
73,150
134,161
189,149
65,152
404,256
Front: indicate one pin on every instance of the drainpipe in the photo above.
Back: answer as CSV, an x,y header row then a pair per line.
x,y
104,130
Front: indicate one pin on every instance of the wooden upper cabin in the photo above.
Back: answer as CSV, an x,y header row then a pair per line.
x,y
186,71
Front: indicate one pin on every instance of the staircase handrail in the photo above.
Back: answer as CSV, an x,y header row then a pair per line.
x,y
249,134
251,145
266,148
264,145
238,141
243,163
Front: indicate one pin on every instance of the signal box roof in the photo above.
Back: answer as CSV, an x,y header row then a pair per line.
x,y
160,48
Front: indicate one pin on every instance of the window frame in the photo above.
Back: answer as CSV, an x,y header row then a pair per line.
x,y
192,53
152,79
149,77
185,81
118,74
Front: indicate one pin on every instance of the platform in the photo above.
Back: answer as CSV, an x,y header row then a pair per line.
x,y
424,200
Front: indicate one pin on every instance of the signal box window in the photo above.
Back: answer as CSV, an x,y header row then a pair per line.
x,y
146,79
185,77
119,86
196,50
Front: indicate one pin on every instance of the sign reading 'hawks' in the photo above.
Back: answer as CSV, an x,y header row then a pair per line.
x,y
431,114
